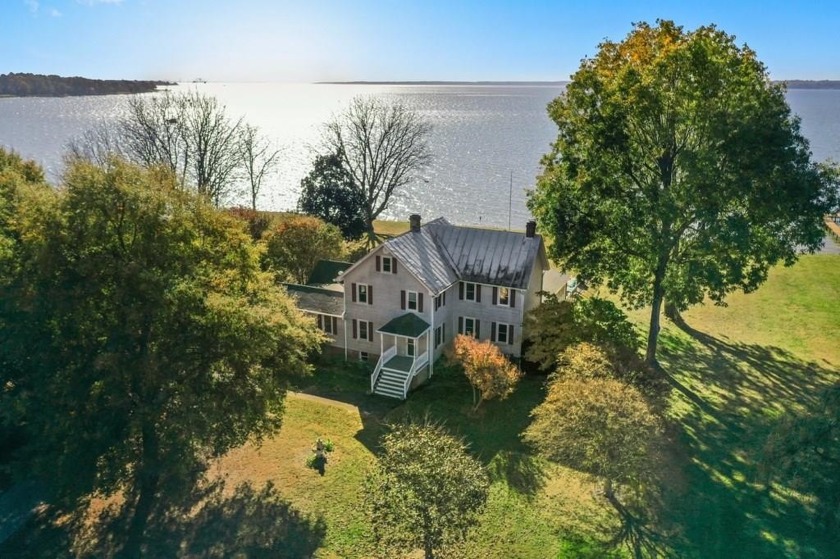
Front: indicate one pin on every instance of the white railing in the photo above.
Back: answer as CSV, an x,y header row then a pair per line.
x,y
418,363
392,351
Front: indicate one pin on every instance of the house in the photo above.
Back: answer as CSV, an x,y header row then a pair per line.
x,y
401,304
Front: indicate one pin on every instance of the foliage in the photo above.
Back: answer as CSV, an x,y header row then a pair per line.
x,y
557,324
382,146
26,85
426,491
490,373
678,172
601,426
328,192
804,450
144,337
296,244
257,222
258,157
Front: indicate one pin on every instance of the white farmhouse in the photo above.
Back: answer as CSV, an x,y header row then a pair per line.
x,y
406,300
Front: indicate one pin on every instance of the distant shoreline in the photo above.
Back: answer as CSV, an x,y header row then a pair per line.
x,y
40,85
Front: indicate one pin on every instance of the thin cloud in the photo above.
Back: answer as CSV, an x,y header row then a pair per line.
x,y
32,5
54,13
95,2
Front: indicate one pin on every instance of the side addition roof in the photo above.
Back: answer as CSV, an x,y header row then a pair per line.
x,y
317,299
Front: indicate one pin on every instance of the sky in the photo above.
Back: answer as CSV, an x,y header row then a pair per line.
x,y
384,40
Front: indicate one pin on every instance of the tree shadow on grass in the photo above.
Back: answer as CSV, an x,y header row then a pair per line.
x,y
729,395
211,524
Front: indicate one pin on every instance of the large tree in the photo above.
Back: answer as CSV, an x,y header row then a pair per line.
x,y
679,172
143,335
259,158
295,244
383,145
425,491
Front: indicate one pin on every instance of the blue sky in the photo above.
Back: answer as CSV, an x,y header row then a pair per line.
x,y
312,40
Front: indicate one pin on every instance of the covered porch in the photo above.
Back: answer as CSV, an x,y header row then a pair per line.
x,y
405,345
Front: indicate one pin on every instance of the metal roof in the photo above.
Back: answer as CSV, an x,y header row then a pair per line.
x,y
317,299
441,253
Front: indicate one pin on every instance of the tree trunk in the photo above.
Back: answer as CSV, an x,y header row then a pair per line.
x,y
147,481
429,551
655,311
608,489
673,313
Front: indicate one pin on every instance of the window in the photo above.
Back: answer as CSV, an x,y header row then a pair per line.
x,y
440,300
440,335
469,291
411,300
329,324
469,326
361,293
386,264
363,356
409,349
362,330
504,297
502,333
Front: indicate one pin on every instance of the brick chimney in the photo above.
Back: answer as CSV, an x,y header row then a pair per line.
x,y
414,222
531,229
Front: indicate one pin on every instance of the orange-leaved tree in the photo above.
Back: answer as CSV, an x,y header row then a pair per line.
x,y
488,370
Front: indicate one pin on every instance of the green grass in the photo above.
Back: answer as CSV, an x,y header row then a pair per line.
x,y
734,371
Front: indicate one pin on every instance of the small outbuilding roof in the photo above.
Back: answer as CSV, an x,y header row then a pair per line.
x,y
327,272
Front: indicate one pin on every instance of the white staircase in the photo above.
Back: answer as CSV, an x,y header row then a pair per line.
x,y
391,383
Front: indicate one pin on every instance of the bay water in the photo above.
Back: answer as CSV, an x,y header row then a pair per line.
x,y
487,140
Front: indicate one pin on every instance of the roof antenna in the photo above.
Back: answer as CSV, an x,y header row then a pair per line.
x,y
510,197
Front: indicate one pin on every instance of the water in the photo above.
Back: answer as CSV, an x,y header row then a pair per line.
x,y
487,141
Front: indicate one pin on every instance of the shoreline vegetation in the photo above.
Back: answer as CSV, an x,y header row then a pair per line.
x,y
40,85
791,84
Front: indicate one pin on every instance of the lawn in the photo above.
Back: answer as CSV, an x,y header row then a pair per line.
x,y
734,371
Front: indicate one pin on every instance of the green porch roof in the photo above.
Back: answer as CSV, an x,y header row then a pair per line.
x,y
408,325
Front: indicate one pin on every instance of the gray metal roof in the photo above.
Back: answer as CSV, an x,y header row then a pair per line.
x,y
317,299
441,253
421,253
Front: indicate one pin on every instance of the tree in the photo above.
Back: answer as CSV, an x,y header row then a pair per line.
x,y
258,158
328,193
146,338
295,244
555,325
490,373
425,490
598,425
187,132
679,172
382,146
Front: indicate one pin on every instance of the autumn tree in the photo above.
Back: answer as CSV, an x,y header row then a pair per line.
x,y
679,172
258,159
598,425
490,373
383,145
296,243
145,338
425,490
328,192
557,324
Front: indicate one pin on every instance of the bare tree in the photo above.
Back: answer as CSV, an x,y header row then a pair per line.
x,y
258,158
187,132
383,146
